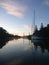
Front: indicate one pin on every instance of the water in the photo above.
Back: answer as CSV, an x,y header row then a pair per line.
x,y
23,52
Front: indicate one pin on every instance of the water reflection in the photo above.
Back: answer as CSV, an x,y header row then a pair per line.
x,y
3,42
44,44
24,52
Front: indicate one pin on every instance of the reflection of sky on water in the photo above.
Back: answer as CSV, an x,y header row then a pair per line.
x,y
16,51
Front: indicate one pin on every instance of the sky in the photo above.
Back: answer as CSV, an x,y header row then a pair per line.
x,y
17,16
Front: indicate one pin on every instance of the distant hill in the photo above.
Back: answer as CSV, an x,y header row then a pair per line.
x,y
5,35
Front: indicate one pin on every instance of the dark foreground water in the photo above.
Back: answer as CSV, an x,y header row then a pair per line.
x,y
23,52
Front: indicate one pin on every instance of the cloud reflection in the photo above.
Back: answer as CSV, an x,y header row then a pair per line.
x,y
14,62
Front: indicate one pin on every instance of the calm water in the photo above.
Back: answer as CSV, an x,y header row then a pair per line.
x,y
23,52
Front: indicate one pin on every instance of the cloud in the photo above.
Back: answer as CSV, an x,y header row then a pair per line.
x,y
12,8
46,2
27,27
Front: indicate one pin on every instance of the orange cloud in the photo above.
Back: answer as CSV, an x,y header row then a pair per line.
x,y
46,2
27,27
12,8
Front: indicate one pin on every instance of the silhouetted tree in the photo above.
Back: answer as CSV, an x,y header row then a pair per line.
x,y
36,29
41,26
43,32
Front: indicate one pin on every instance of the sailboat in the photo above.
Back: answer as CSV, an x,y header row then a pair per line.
x,y
34,37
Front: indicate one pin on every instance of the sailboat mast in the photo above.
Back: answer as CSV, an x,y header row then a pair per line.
x,y
34,19
33,24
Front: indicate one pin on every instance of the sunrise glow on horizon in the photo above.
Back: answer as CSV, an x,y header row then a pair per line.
x,y
16,16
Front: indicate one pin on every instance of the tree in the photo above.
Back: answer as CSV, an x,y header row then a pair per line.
x,y
41,26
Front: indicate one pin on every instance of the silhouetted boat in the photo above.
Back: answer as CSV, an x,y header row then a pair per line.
x,y
35,37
